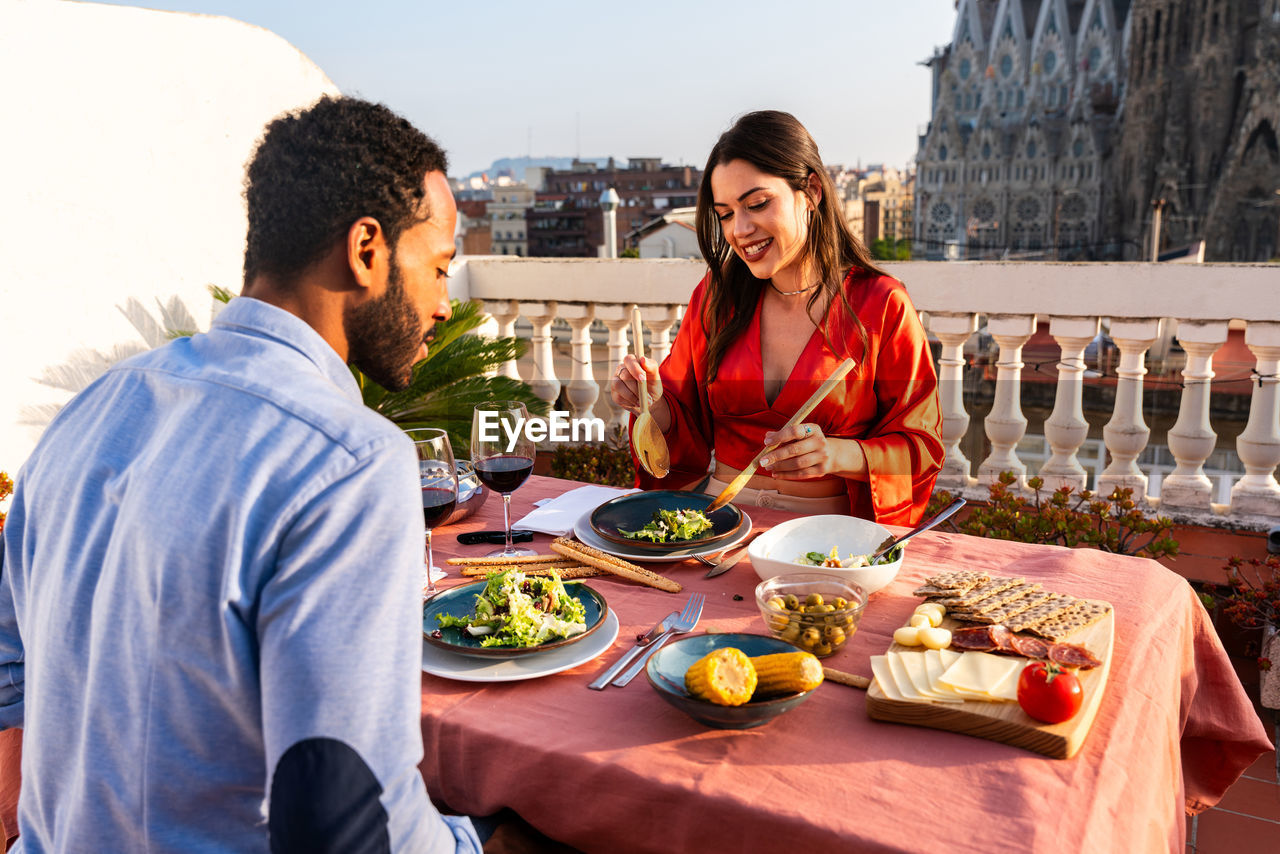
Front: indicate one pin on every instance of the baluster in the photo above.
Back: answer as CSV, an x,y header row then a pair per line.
x,y
953,330
1067,428
1126,433
1006,424
505,313
1191,439
617,317
1259,445
660,319
582,389
544,382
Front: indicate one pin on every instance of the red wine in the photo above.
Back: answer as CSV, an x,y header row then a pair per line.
x,y
437,504
504,473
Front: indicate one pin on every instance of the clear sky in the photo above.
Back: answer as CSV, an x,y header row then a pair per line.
x,y
662,78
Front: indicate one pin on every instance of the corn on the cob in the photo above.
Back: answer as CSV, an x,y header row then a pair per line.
x,y
786,672
724,677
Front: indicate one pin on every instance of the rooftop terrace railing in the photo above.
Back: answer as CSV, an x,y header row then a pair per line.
x,y
1141,305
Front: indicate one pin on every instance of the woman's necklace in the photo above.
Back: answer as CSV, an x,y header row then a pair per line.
x,y
792,293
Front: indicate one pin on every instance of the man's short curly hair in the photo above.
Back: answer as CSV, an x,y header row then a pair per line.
x,y
318,170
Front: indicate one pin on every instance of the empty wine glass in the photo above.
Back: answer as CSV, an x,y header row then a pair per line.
x,y
439,481
503,456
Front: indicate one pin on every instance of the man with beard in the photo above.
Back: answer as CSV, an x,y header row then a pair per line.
x,y
210,600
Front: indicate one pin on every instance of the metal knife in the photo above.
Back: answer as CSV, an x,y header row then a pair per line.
x,y
642,643
726,564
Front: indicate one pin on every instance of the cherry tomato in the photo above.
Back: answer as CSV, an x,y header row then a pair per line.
x,y
1048,693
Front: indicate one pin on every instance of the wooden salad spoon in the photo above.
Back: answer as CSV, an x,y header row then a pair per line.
x,y
651,447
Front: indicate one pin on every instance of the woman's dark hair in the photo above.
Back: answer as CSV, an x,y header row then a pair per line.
x,y
318,170
775,143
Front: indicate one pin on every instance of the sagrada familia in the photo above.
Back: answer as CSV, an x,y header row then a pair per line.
x,y
1091,129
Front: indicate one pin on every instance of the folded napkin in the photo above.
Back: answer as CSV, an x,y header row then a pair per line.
x,y
557,516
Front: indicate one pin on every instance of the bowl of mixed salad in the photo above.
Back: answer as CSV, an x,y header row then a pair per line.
x,y
832,545
510,613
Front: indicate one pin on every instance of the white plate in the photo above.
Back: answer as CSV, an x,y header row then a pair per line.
x,y
451,665
582,530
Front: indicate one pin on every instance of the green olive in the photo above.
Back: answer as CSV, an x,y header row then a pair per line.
x,y
823,649
833,635
778,623
790,602
841,603
813,599
777,603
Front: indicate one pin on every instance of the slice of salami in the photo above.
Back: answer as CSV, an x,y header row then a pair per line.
x,y
973,640
1003,639
1030,647
1071,655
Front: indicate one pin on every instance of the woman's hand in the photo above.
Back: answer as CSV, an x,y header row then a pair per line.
x,y
624,386
804,453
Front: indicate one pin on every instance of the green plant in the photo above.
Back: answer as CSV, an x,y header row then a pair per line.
x,y
448,384
608,463
630,252
6,489
1111,524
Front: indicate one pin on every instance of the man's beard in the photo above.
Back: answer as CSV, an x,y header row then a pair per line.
x,y
383,336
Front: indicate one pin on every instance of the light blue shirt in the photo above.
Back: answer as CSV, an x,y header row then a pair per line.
x,y
214,553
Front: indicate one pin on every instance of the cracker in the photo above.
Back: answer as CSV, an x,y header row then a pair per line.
x,y
965,578
1051,607
996,585
931,590
1012,609
1004,597
613,565
1084,613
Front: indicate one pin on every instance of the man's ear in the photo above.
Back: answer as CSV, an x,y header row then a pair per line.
x,y
368,255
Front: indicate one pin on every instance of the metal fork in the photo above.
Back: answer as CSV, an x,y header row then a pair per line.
x,y
684,623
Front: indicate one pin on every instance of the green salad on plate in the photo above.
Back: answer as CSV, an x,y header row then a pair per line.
x,y
671,526
519,610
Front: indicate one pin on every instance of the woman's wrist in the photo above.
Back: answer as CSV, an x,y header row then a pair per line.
x,y
851,462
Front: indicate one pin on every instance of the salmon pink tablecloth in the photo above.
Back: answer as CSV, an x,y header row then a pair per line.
x,y
620,770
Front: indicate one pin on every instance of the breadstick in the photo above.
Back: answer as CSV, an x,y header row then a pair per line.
x,y
504,561
613,565
851,679
569,569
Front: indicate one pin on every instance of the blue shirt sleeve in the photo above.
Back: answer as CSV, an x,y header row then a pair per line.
x,y
339,624
12,652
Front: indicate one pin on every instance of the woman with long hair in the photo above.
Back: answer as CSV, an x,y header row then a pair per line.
x,y
790,293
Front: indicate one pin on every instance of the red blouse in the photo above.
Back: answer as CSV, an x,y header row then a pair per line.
x,y
888,403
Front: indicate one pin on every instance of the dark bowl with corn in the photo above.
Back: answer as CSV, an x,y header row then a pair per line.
x,y
812,611
679,673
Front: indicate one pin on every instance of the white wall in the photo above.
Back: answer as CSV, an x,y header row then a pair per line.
x,y
121,167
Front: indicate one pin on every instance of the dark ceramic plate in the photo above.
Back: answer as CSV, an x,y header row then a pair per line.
x,y
460,601
667,666
632,512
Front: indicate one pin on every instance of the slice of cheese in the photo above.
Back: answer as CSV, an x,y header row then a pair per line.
x,y
903,678
980,673
1008,687
917,672
884,678
936,662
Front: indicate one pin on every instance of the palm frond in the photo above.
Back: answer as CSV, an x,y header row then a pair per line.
x,y
38,415
84,366
176,319
137,315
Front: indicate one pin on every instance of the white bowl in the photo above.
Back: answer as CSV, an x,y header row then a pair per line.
x,y
774,552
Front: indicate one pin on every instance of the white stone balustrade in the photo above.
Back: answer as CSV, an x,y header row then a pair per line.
x,y
505,313
960,299
1006,425
1191,439
1066,428
582,389
1259,445
1126,434
953,330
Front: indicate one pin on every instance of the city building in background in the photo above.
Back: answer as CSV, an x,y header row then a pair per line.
x,y
674,234
1103,129
507,219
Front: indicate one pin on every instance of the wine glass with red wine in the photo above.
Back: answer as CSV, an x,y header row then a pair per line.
x,y
502,455
439,481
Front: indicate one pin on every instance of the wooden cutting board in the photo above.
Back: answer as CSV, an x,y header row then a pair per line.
x,y
1006,722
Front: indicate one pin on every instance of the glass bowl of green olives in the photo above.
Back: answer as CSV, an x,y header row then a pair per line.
x,y
812,611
